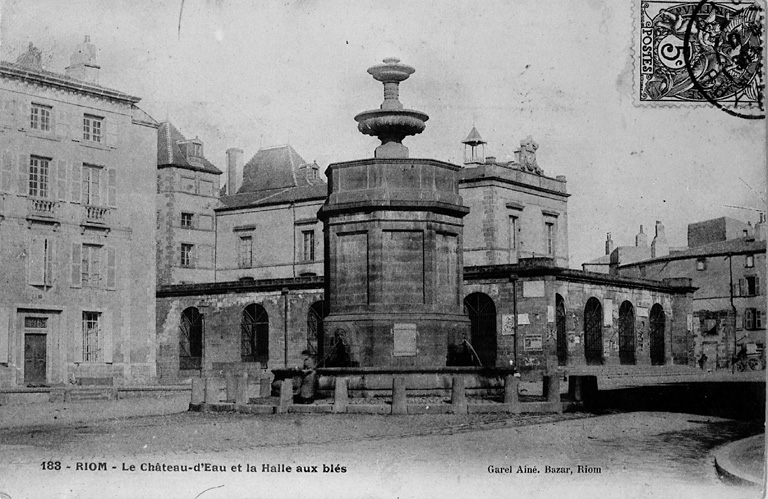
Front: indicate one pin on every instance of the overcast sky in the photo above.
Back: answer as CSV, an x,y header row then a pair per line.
x,y
245,74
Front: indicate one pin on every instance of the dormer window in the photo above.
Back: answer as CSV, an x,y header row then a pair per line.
x,y
194,149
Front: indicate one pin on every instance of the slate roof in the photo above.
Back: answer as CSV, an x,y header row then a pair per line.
x,y
169,152
603,260
473,138
744,245
22,71
274,196
276,168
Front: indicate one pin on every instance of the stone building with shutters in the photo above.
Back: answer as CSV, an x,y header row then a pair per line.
x,y
187,193
77,193
725,260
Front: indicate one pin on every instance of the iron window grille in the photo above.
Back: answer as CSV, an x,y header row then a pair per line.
x,y
91,336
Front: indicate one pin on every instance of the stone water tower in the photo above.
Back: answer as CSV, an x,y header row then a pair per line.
x,y
393,244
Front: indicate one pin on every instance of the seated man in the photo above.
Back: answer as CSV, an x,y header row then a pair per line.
x,y
308,382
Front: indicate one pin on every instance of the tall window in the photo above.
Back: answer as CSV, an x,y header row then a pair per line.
x,y
39,169
91,333
40,118
92,128
186,220
186,254
749,261
91,265
254,329
753,319
512,233
195,149
191,328
91,185
308,247
750,286
246,252
550,230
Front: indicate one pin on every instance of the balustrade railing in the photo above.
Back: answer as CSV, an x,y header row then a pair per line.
x,y
97,214
42,207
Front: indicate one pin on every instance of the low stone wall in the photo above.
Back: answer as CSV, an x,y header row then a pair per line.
x,y
395,393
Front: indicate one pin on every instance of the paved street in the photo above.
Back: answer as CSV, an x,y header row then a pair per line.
x,y
629,455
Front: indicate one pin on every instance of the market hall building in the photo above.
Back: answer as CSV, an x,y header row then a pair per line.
x,y
523,306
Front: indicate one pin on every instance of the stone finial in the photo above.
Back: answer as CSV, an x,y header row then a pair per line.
x,y
32,58
391,123
528,148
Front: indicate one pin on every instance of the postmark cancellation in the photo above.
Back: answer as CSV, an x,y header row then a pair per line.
x,y
708,52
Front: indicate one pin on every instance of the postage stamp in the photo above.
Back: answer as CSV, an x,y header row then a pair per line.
x,y
700,52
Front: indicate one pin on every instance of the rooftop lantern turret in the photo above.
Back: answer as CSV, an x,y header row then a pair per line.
x,y
474,140
391,123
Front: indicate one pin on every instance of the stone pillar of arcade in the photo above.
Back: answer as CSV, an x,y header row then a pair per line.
x,y
393,246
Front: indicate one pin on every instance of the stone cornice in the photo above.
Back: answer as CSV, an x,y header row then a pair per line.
x,y
61,82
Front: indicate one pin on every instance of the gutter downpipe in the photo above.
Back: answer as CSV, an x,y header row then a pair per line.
x,y
513,280
284,292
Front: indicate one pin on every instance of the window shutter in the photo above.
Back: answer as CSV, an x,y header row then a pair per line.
x,y
206,257
49,242
105,337
111,268
62,123
111,125
748,319
36,261
61,186
112,187
6,177
78,340
757,286
23,174
743,287
758,320
21,113
75,179
76,263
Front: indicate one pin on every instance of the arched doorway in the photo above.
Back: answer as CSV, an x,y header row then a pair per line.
x,y
315,316
482,314
626,333
562,338
191,339
254,329
593,332
658,323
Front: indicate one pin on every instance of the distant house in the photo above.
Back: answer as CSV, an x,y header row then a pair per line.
x,y
726,262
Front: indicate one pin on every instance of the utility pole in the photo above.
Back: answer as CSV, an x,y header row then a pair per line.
x,y
733,310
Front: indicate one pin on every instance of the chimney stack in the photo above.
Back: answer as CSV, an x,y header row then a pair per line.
x,y
659,246
641,239
234,170
608,244
82,63
759,230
